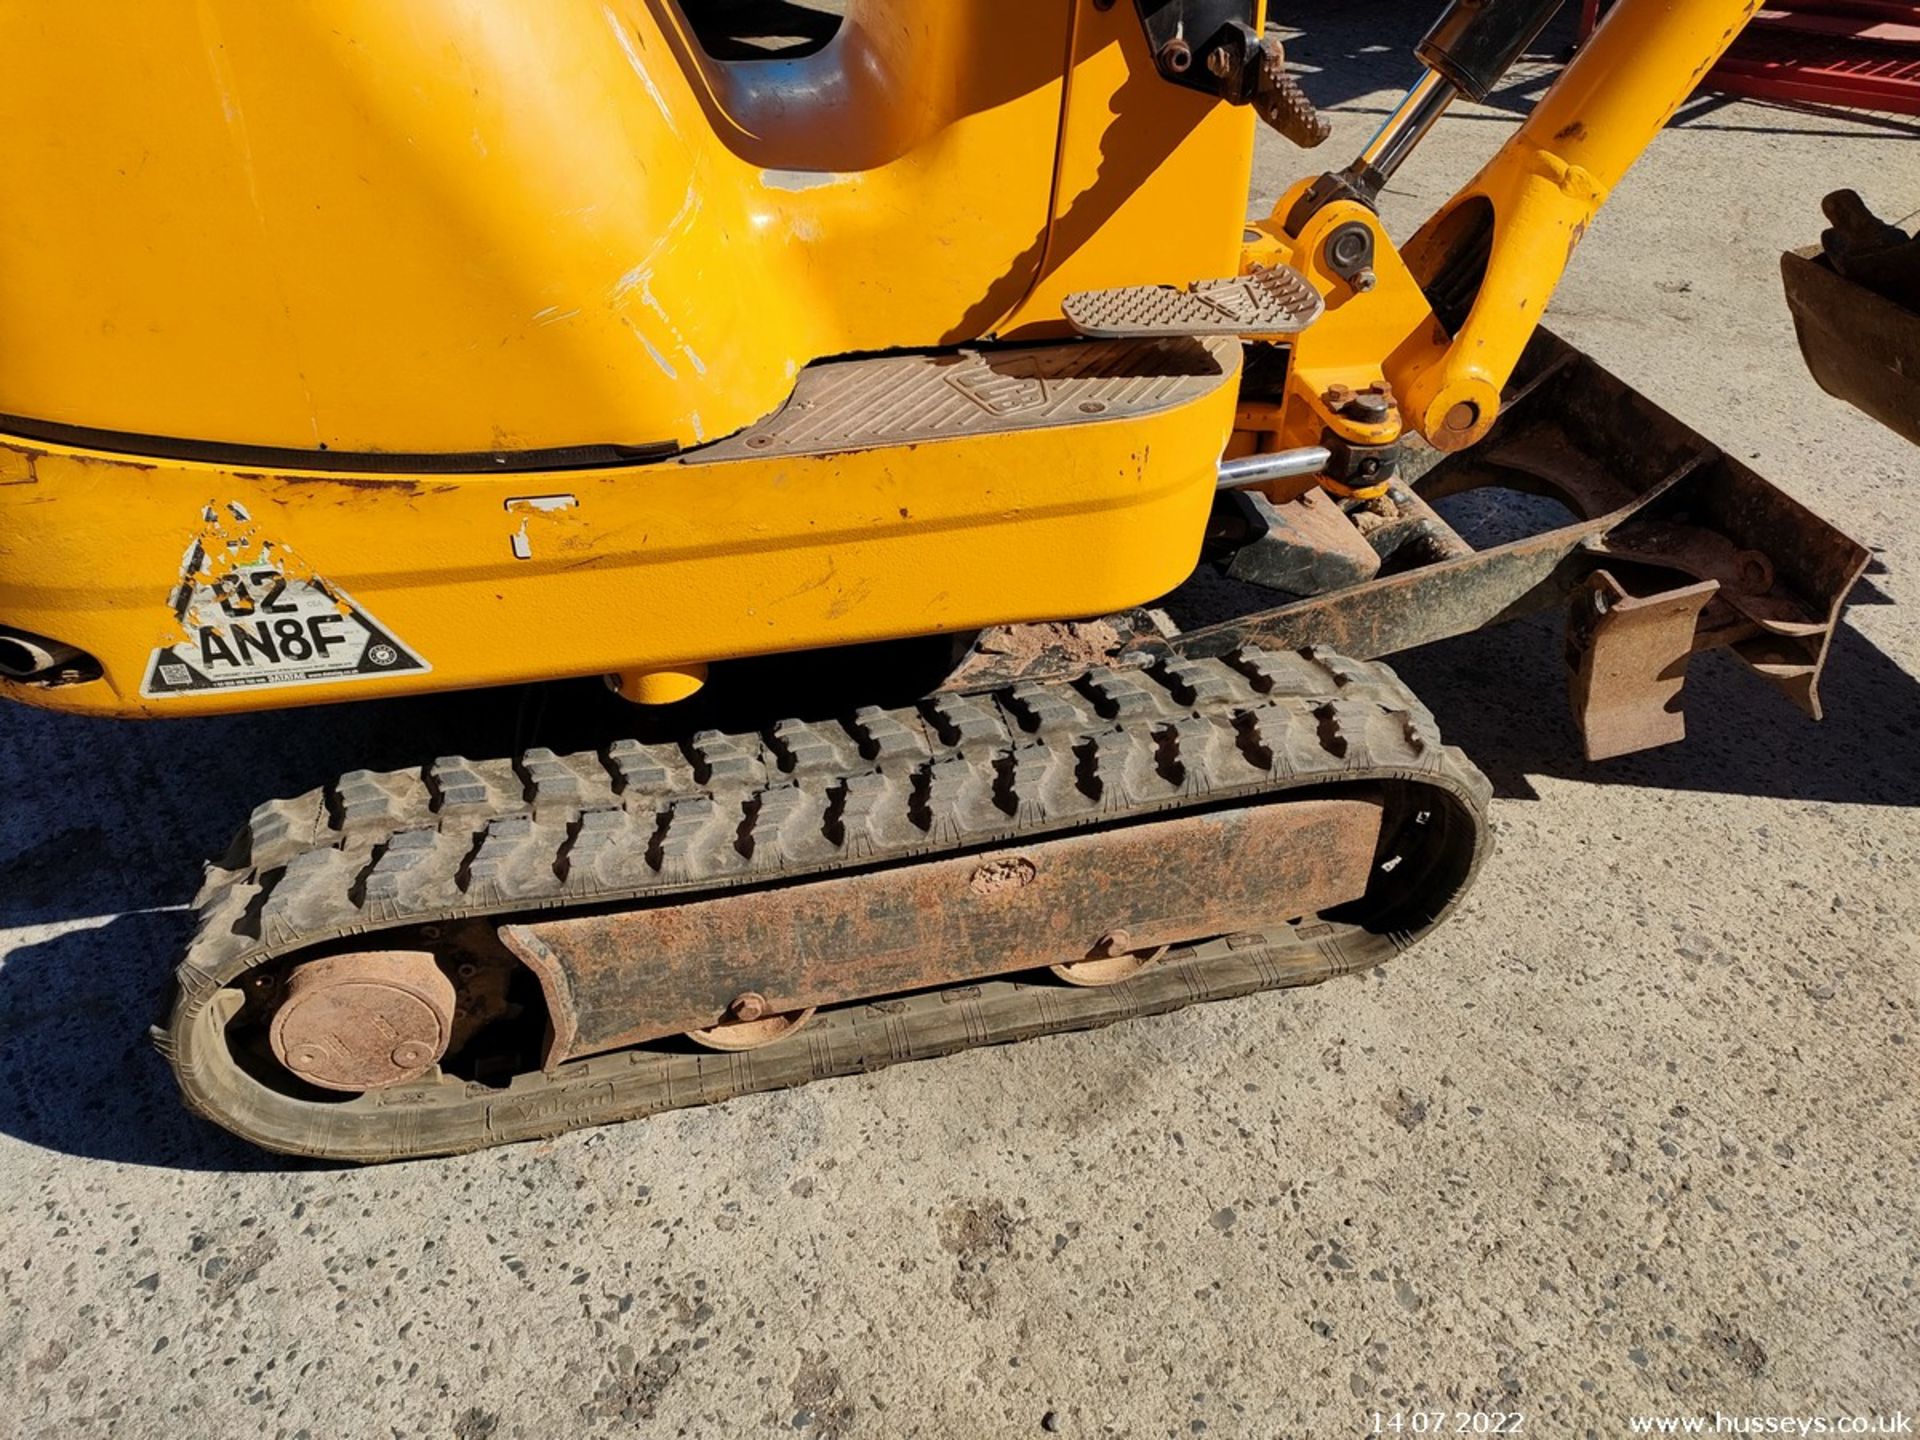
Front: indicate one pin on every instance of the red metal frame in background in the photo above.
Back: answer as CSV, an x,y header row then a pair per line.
x,y
1864,54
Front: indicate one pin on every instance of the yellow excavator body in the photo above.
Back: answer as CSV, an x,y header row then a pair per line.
x,y
437,310
469,228
471,245
352,349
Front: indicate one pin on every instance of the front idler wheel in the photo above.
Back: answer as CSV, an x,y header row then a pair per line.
x,y
364,1021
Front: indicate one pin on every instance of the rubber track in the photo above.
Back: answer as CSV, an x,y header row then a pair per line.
x,y
461,838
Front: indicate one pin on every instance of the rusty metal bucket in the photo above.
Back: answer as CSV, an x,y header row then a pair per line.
x,y
1861,346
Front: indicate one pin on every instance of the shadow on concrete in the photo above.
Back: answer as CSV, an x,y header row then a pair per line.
x,y
1803,118
101,851
1501,696
78,1073
1352,53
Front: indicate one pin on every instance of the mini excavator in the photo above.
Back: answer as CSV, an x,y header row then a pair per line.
x,y
359,350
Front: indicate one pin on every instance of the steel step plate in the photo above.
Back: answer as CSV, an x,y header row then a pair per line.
x,y
1269,301
892,400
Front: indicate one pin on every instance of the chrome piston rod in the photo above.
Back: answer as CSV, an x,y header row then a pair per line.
x,y
1276,465
1416,114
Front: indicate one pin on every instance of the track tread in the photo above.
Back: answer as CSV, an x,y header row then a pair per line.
x,y
460,837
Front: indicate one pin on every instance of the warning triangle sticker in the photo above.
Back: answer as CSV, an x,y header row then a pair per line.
x,y
248,614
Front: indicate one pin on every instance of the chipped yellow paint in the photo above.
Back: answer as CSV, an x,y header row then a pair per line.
x,y
229,541
655,567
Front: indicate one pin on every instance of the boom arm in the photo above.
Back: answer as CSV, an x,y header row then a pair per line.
x,y
1453,313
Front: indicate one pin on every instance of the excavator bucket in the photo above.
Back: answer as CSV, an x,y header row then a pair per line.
x,y
1856,311
1670,546
1692,550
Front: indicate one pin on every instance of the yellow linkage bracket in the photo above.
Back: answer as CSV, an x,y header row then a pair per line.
x,y
1490,258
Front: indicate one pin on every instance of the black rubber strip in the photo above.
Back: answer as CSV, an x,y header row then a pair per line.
x,y
136,448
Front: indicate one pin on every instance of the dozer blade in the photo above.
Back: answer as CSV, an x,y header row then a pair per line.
x,y
1678,528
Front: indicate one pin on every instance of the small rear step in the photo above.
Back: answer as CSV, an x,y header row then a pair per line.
x,y
1271,300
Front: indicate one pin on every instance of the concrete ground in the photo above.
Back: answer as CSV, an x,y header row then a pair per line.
x,y
1635,1134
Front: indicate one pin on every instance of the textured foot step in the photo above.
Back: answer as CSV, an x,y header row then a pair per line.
x,y
1269,301
895,400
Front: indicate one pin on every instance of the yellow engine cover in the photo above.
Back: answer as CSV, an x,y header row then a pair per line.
x,y
511,225
452,242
